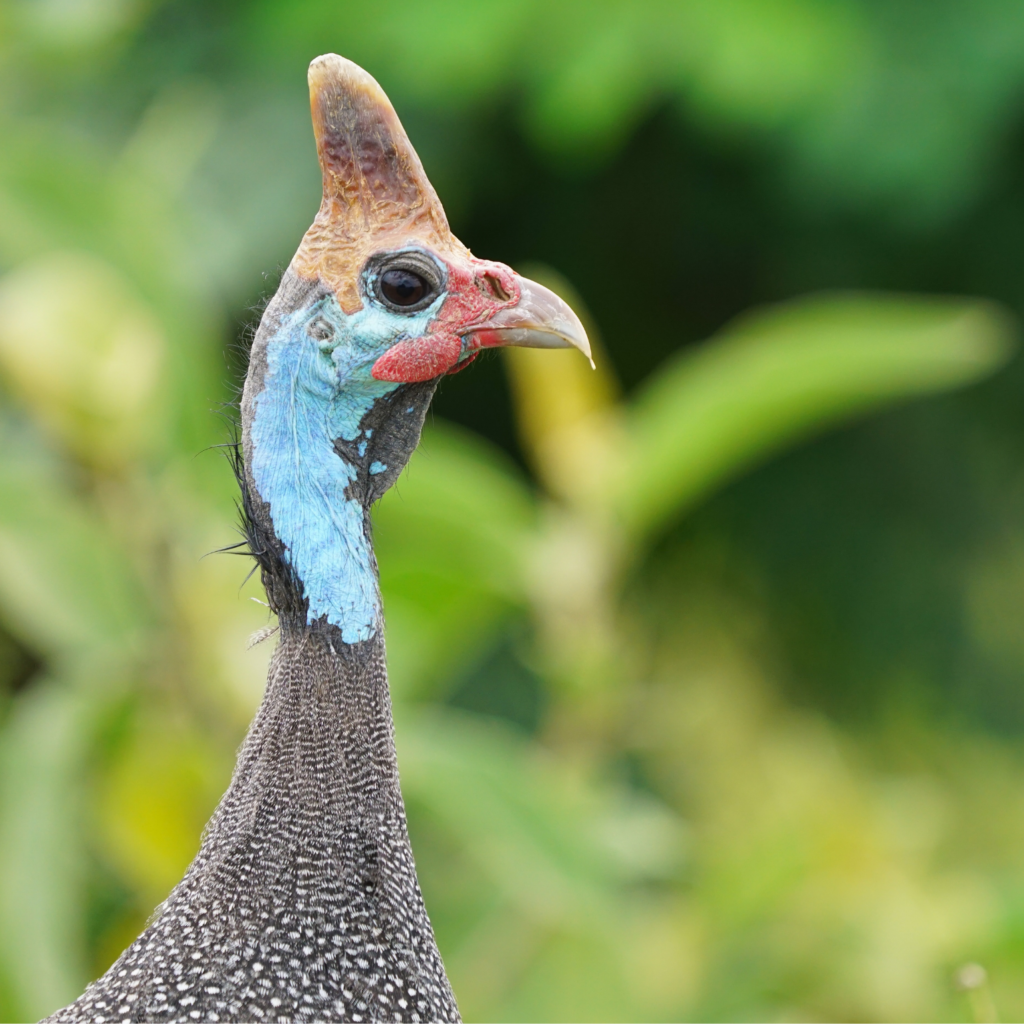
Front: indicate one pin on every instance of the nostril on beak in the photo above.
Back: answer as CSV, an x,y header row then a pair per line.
x,y
539,319
490,285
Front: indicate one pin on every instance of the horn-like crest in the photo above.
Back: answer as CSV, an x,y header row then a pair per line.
x,y
376,193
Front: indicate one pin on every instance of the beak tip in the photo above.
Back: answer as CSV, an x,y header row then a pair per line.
x,y
581,343
539,319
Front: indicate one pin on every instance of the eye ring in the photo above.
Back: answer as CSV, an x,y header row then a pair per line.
x,y
403,282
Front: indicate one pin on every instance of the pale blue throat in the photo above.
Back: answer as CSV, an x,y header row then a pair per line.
x,y
314,392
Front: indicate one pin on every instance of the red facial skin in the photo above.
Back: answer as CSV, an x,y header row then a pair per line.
x,y
477,290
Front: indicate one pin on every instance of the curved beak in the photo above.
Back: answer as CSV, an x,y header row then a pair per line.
x,y
540,319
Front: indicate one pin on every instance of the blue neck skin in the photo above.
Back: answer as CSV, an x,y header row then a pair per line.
x,y
314,393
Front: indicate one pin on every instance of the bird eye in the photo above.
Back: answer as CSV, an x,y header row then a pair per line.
x,y
402,287
405,281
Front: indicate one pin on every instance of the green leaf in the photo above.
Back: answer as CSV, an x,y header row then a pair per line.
x,y
781,374
451,539
42,749
66,587
552,843
548,850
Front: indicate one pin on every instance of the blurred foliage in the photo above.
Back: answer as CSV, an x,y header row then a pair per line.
x,y
706,709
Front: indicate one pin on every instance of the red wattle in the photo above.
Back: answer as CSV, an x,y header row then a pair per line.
x,y
486,339
418,359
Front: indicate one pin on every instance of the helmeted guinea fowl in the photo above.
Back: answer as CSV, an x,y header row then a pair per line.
x,y
303,902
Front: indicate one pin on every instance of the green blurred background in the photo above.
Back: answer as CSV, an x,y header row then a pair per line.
x,y
708,666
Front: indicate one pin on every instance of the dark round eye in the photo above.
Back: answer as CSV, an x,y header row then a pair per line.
x,y
402,287
405,282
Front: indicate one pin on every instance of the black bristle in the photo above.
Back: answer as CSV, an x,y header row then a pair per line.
x,y
284,590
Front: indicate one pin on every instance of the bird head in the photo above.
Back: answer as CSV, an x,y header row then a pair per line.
x,y
380,301
382,245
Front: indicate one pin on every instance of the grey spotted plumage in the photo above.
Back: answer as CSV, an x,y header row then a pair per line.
x,y
302,904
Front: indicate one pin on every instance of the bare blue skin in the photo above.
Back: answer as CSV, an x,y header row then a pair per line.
x,y
316,390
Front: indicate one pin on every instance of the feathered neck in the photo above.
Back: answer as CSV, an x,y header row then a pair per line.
x,y
303,901
319,448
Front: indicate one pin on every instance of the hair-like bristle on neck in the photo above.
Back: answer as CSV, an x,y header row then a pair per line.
x,y
283,587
